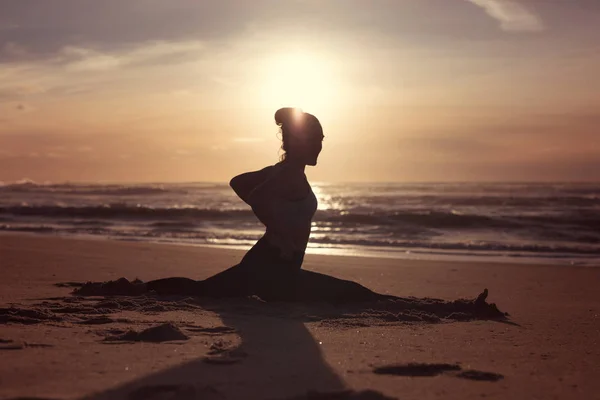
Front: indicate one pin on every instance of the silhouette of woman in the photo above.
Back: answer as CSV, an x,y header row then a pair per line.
x,y
282,199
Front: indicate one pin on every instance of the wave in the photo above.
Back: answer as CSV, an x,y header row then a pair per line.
x,y
580,219
495,201
471,247
428,219
123,211
96,190
232,238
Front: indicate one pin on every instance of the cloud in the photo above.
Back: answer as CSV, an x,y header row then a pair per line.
x,y
54,155
248,139
217,147
46,28
107,25
21,107
513,16
19,90
14,51
88,59
7,26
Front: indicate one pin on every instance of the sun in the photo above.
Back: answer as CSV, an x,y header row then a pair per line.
x,y
299,79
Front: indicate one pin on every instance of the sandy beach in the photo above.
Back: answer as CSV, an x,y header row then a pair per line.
x,y
54,345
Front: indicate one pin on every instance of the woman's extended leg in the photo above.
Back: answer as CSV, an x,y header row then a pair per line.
x,y
313,286
264,273
233,282
173,286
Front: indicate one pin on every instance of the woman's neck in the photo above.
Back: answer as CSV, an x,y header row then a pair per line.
x,y
294,165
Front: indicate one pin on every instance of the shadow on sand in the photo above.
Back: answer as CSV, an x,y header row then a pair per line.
x,y
277,359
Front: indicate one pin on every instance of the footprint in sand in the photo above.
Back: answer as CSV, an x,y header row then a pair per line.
x,y
344,395
31,398
156,392
7,344
423,369
416,369
480,376
11,345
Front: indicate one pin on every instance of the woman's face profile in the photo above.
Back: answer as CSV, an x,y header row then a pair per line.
x,y
314,148
309,147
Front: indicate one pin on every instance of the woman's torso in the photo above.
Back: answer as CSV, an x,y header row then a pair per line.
x,y
294,217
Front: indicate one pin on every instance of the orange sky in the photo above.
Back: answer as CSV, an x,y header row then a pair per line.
x,y
431,90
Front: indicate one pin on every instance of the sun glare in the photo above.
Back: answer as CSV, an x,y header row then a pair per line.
x,y
300,80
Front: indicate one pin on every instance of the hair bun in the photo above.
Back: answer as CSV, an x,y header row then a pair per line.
x,y
284,115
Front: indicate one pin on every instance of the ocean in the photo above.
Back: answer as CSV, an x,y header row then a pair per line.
x,y
546,223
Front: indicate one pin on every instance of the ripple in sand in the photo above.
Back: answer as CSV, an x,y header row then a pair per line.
x,y
212,331
101,320
69,284
26,316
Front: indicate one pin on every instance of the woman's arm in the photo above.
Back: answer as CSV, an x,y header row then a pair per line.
x,y
260,200
243,184
262,189
270,189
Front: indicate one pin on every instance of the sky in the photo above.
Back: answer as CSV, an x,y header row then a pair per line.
x,y
406,90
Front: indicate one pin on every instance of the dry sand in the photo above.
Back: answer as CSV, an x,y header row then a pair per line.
x,y
57,346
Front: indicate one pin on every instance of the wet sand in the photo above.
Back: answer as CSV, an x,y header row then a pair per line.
x,y
55,345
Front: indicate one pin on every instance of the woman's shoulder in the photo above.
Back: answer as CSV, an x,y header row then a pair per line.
x,y
294,184
261,173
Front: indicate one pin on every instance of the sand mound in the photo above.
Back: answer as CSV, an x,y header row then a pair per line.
x,y
156,334
120,287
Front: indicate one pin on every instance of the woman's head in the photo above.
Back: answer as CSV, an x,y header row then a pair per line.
x,y
302,135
